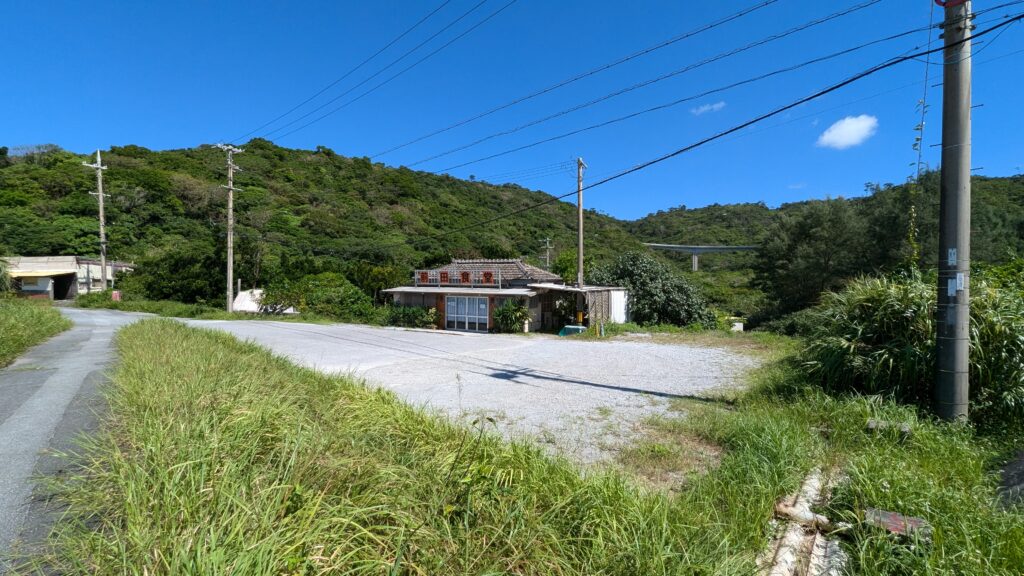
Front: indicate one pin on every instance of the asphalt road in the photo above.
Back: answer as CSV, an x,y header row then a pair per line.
x,y
48,396
580,398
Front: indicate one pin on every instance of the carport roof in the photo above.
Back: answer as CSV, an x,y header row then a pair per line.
x,y
461,291
570,288
39,273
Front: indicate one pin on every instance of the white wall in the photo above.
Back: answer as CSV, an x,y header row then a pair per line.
x,y
618,306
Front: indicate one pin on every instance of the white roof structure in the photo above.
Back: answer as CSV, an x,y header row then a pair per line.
x,y
39,266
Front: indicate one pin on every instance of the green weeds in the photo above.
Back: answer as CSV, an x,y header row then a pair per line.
x,y
217,457
25,323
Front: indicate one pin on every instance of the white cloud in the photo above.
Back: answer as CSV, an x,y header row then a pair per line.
x,y
797,186
815,122
848,132
705,108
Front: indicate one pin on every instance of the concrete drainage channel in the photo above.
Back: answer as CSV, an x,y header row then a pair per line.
x,y
801,545
805,542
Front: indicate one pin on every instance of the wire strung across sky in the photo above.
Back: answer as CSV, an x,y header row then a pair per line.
x,y
347,74
587,74
404,55
685,99
403,71
555,166
672,74
719,135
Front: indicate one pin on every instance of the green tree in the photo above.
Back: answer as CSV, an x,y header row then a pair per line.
x,y
191,272
656,296
326,294
804,254
565,266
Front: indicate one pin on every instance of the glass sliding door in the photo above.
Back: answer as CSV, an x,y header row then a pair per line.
x,y
466,313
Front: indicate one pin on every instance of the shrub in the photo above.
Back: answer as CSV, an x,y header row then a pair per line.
x,y
656,296
878,337
800,323
409,316
510,316
327,294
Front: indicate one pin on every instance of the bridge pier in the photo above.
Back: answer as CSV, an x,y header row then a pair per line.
x,y
696,251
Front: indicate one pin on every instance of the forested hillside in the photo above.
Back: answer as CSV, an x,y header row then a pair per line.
x,y
303,212
299,212
809,247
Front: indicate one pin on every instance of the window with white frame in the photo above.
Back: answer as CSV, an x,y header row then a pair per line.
x,y
466,313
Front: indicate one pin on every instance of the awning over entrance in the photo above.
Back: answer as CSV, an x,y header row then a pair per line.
x,y
455,291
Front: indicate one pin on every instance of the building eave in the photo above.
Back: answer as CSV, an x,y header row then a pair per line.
x,y
459,291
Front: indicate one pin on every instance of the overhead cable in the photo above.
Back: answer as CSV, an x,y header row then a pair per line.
x,y
403,71
587,74
346,74
672,74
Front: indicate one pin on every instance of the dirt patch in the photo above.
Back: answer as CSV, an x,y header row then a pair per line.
x,y
666,459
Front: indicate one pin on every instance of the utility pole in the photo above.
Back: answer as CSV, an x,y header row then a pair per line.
x,y
547,253
231,151
953,312
99,167
580,166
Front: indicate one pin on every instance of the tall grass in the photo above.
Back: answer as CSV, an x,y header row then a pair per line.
x,y
945,473
219,457
25,323
877,336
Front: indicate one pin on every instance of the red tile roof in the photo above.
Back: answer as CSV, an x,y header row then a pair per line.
x,y
508,269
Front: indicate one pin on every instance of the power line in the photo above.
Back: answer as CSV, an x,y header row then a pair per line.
x,y
923,103
683,100
403,71
775,112
688,68
591,72
349,73
555,167
406,54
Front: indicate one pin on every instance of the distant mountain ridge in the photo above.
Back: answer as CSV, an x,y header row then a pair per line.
x,y
304,211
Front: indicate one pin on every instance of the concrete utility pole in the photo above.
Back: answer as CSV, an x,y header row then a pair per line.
x,y
99,167
231,150
580,166
547,253
953,313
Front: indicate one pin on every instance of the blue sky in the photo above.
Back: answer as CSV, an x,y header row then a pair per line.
x,y
172,75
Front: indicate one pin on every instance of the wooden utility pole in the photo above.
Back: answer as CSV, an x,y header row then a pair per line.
x,y
547,253
99,167
231,151
953,312
580,166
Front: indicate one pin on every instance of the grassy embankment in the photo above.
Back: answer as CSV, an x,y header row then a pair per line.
x,y
25,323
173,309
944,473
218,457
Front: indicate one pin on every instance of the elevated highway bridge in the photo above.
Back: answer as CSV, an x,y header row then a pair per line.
x,y
695,251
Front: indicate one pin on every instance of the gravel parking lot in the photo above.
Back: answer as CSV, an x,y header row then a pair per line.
x,y
579,398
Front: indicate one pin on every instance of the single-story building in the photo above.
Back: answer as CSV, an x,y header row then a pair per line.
x,y
467,292
58,277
